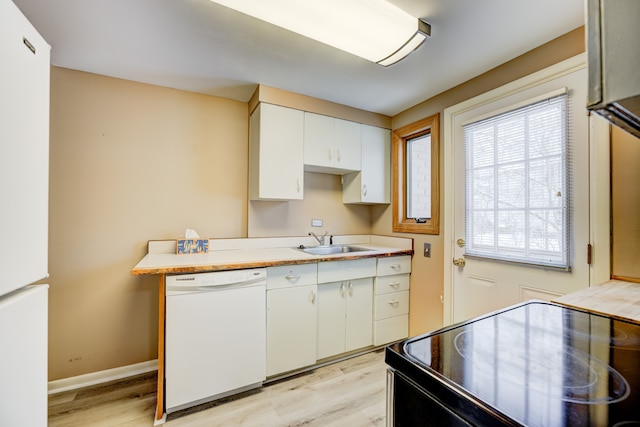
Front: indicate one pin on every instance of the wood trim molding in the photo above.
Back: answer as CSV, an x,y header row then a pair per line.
x,y
400,222
160,409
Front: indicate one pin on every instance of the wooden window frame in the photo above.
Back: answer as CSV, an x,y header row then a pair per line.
x,y
400,137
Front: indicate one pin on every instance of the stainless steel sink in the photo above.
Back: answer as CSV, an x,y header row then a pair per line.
x,y
331,250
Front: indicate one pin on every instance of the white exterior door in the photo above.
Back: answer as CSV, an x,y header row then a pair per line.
x,y
475,286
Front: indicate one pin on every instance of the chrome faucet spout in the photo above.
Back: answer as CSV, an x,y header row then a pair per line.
x,y
320,239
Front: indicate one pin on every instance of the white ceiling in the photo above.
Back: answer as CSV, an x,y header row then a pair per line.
x,y
199,46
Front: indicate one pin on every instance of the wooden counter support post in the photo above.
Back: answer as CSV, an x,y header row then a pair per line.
x,y
161,325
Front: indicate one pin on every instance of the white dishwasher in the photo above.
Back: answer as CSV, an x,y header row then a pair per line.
x,y
215,336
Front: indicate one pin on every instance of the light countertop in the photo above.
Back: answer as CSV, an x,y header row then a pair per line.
x,y
615,298
231,254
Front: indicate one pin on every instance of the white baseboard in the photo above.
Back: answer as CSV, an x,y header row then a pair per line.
x,y
72,383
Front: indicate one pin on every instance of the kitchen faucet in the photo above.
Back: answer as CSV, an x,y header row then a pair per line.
x,y
319,239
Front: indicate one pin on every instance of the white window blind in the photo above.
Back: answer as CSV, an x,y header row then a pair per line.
x,y
517,189
419,177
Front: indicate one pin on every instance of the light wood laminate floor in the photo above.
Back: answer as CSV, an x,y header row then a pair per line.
x,y
347,393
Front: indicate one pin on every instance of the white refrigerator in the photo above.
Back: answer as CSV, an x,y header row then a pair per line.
x,y
24,199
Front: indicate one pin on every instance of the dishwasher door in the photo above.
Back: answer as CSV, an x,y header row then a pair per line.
x,y
215,336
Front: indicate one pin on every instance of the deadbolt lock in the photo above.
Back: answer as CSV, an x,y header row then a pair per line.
x,y
460,243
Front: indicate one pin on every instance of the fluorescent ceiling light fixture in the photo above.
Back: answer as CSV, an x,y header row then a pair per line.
x,y
371,29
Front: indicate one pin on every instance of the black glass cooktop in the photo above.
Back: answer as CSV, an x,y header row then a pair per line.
x,y
539,364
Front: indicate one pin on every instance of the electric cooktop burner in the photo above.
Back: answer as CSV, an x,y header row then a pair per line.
x,y
538,368
540,364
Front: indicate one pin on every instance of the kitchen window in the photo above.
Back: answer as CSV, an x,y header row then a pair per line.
x,y
415,175
517,199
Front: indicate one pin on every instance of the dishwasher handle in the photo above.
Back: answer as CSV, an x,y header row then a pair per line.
x,y
180,289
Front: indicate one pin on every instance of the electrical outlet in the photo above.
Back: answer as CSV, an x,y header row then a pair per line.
x,y
316,223
427,250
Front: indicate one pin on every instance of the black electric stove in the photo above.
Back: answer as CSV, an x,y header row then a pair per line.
x,y
534,364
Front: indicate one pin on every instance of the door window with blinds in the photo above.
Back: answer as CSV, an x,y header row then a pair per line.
x,y
517,184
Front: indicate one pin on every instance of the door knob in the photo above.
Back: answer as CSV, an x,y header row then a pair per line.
x,y
460,262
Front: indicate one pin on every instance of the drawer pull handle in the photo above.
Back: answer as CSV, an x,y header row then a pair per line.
x,y
395,266
394,302
394,284
292,277
313,297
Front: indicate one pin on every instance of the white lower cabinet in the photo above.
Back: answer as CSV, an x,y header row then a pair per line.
x,y
322,310
345,305
391,307
345,316
291,317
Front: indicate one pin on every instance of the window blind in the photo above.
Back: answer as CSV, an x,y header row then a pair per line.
x,y
517,185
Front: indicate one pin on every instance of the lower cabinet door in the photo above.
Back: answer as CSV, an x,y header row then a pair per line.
x,y
345,316
331,319
359,314
291,328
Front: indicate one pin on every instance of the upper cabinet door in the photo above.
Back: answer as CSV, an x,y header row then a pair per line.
x,y
318,141
348,145
373,184
24,150
276,169
331,145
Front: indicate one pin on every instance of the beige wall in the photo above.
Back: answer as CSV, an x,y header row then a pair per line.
x,y
427,278
625,205
322,200
132,162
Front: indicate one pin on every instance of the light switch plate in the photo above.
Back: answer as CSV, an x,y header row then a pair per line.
x,y
427,250
316,223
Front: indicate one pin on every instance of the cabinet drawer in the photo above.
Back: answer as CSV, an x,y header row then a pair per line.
x,y
286,276
391,329
394,265
387,284
335,271
392,304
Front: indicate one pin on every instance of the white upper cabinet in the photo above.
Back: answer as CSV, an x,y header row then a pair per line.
x,y
276,170
331,145
372,185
